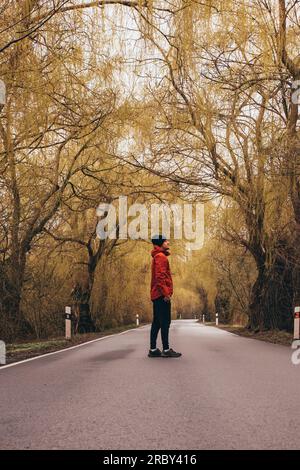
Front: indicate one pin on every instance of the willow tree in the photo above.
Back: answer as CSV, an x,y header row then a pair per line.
x,y
24,19
288,145
59,106
217,100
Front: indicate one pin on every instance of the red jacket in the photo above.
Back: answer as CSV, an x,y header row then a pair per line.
x,y
161,279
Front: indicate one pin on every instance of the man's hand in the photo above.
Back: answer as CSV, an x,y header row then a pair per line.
x,y
167,299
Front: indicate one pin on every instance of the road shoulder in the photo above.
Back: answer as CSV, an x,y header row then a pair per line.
x,y
284,338
21,351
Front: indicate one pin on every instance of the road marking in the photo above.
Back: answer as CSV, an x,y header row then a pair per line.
x,y
71,347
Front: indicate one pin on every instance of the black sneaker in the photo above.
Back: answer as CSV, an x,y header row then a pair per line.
x,y
156,353
170,353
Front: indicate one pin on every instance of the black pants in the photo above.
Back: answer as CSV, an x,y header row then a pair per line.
x,y
161,321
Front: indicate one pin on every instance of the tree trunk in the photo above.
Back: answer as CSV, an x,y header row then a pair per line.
x,y
13,323
272,296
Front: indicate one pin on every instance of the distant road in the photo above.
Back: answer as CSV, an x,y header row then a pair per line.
x,y
225,392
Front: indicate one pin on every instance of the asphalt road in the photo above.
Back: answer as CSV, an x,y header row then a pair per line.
x,y
225,392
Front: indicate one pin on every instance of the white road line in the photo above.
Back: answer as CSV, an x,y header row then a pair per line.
x,y
71,347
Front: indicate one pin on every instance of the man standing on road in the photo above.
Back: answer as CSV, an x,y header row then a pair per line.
x,y
161,292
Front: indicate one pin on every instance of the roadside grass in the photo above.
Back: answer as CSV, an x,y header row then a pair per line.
x,y
271,336
25,350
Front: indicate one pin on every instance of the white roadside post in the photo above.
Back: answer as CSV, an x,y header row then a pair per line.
x,y
217,319
297,322
2,353
2,94
203,318
68,322
137,320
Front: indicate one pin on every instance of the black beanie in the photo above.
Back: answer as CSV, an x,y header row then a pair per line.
x,y
158,240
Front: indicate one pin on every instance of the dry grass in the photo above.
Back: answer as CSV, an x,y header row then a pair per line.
x,y
272,336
